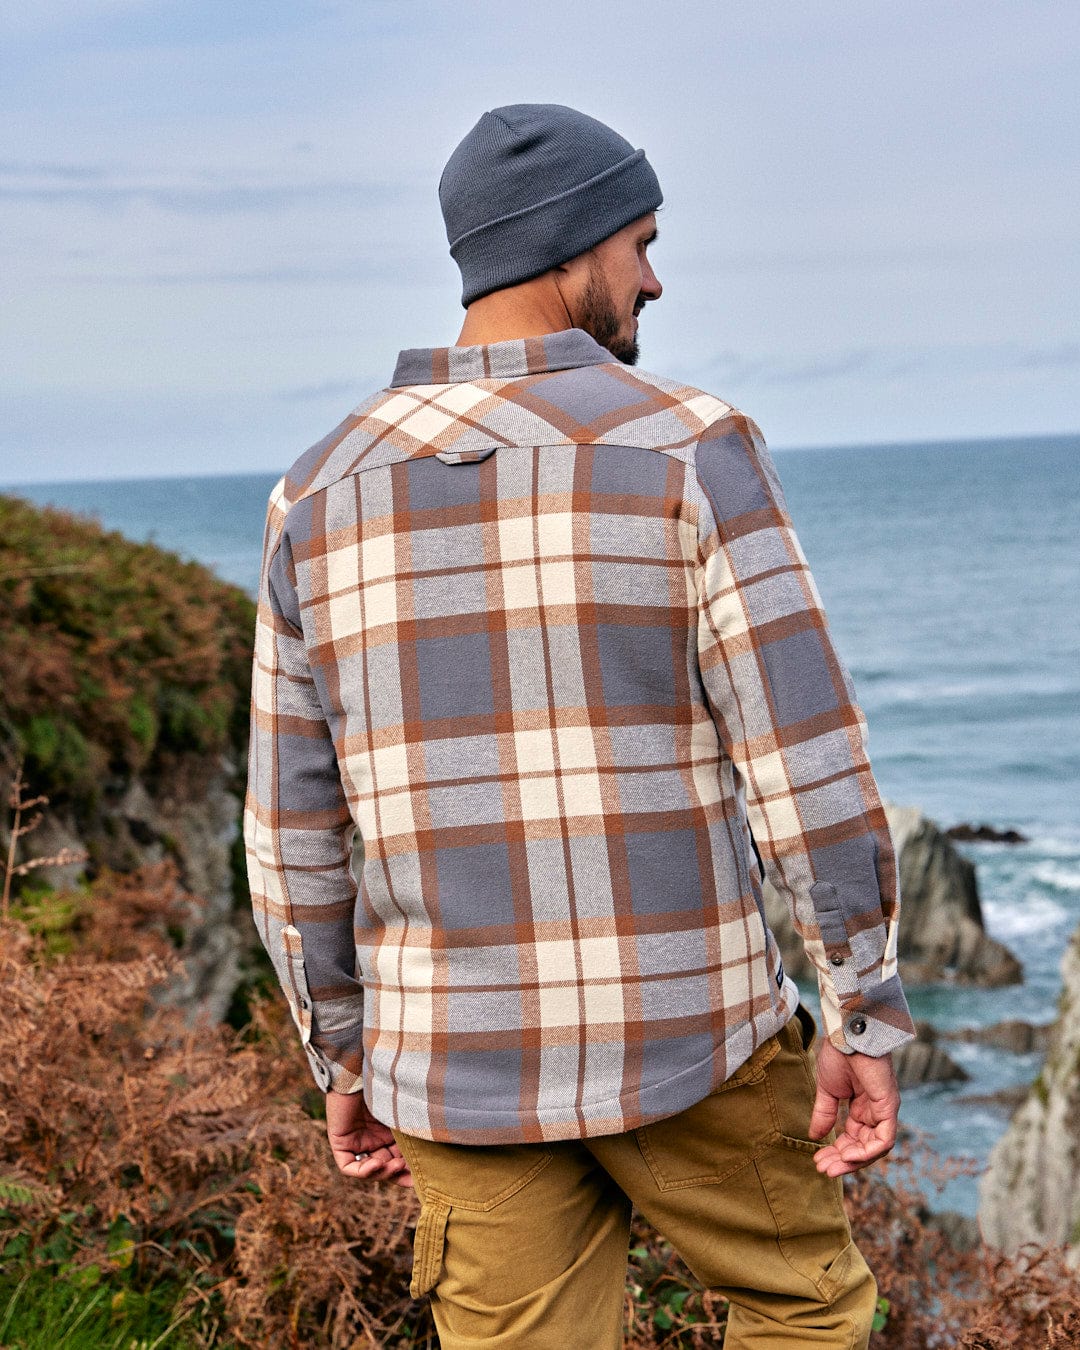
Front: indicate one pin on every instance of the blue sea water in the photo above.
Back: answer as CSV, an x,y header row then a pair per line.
x,y
950,574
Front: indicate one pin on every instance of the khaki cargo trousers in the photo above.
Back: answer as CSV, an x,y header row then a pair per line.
x,y
524,1246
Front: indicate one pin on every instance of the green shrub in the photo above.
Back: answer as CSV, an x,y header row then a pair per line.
x,y
113,655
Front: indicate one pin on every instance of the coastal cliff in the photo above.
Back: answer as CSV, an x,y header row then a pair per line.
x,y
124,689
1031,1189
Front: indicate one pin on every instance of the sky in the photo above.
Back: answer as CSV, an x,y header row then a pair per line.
x,y
219,221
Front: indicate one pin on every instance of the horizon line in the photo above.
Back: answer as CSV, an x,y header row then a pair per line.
x,y
824,446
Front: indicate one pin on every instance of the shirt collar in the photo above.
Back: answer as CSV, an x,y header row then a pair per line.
x,y
499,360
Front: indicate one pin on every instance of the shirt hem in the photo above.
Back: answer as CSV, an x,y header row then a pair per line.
x,y
570,1122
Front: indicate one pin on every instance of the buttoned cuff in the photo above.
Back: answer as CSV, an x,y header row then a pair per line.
x,y
874,1022
320,1068
329,1076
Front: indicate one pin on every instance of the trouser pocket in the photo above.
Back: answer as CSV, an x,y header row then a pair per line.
x,y
718,1136
457,1180
428,1246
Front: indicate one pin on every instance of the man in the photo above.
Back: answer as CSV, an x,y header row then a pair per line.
x,y
538,624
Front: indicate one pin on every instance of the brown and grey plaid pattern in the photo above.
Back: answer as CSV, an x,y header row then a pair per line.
x,y
538,624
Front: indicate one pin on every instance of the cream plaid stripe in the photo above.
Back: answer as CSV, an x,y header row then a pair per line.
x,y
538,626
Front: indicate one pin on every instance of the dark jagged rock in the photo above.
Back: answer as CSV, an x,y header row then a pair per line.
x,y
1006,1100
942,935
985,833
923,1061
1018,1037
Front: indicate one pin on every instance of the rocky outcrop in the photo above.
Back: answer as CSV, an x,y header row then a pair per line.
x,y
1006,1100
1031,1189
1018,1037
125,682
924,1061
942,935
192,815
985,834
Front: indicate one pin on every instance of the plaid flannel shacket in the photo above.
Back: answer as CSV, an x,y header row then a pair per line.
x,y
538,624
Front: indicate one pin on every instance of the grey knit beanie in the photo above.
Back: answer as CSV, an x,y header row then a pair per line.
x,y
533,185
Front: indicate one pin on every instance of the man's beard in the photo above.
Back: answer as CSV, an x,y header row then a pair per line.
x,y
599,319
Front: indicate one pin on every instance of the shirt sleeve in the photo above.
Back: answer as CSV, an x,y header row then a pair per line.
x,y
298,830
785,708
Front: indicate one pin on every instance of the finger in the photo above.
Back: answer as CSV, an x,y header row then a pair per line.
x,y
833,1163
379,1166
824,1114
364,1140
861,1144
388,1151
353,1159
881,1135
348,1157
348,1160
382,1171
849,1155
391,1156
839,1168
824,1159
871,1151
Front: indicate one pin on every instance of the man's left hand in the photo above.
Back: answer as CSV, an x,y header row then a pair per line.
x,y
868,1083
352,1130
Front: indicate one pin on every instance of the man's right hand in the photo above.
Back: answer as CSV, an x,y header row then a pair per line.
x,y
868,1083
352,1130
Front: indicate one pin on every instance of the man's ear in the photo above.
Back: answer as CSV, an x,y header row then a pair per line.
x,y
569,279
565,282
574,267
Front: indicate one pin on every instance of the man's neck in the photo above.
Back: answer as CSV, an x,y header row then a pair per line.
x,y
530,309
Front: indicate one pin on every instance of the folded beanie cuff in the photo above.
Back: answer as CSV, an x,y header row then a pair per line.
x,y
524,244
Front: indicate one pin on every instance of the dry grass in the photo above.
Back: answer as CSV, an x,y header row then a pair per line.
x,y
197,1155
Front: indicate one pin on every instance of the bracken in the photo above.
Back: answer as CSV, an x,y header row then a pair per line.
x,y
196,1155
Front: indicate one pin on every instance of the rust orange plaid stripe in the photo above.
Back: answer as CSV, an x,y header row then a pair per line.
x,y
539,626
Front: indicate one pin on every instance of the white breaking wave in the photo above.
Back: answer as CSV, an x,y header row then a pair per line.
x,y
1036,913
1059,876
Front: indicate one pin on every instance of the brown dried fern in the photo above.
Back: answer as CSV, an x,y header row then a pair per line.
x,y
197,1140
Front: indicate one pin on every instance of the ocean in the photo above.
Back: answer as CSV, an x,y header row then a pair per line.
x,y
950,574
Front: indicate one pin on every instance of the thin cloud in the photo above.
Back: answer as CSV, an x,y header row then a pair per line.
x,y
408,271
869,365
16,168
214,193
202,201
843,258
47,17
1064,355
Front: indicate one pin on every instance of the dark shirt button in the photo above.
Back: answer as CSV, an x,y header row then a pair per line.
x,y
837,959
857,1026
